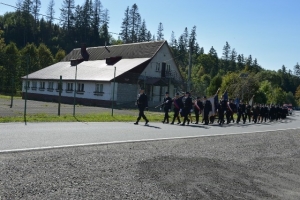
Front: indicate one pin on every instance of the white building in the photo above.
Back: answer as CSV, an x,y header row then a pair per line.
x,y
108,74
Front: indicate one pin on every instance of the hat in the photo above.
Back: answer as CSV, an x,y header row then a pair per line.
x,y
204,97
177,93
187,93
142,89
167,92
198,97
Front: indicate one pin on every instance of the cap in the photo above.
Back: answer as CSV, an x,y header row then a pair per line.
x,y
141,88
167,92
187,93
204,97
177,93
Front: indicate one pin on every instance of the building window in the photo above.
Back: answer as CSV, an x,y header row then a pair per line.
x,y
80,88
50,86
157,69
42,85
168,68
59,86
34,85
69,87
27,85
99,89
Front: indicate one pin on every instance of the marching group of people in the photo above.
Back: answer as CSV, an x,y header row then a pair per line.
x,y
184,107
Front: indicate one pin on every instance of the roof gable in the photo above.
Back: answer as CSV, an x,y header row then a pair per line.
x,y
126,51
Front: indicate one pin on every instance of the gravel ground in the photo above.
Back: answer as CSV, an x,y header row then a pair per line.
x,y
248,166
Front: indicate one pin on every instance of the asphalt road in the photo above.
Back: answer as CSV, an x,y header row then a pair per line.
x,y
18,136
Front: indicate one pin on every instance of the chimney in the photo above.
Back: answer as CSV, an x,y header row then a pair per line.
x,y
85,55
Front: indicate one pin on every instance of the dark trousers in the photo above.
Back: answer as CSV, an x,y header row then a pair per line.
x,y
197,113
166,118
186,112
239,117
249,117
221,116
141,115
206,120
176,115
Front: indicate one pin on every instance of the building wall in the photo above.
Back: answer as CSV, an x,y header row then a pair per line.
x,y
88,93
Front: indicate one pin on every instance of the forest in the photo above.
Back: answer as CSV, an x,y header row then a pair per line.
x,y
29,38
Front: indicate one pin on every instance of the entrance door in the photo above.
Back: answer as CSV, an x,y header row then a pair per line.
x,y
163,70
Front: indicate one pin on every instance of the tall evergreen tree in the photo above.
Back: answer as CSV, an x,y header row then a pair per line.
x,y
67,14
172,40
143,33
134,22
297,69
160,34
193,39
149,36
51,12
125,28
36,9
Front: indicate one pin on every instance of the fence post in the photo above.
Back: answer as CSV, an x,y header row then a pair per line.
x,y
59,96
12,92
26,84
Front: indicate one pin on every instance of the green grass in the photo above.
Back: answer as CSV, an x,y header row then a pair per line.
x,y
103,117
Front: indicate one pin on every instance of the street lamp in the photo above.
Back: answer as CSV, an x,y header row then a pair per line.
x,y
74,63
113,97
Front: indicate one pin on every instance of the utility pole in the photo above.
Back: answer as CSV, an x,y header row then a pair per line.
x,y
190,67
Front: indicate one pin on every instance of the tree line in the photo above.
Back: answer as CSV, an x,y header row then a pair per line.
x,y
46,39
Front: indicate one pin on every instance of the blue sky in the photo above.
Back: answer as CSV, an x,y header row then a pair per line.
x,y
268,30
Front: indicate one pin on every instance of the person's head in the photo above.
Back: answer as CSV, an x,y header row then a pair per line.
x,y
177,95
204,97
198,98
187,94
167,94
142,90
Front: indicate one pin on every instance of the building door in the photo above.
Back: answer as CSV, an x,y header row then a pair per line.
x,y
163,70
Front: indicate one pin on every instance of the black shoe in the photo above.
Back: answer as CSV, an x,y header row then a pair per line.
x,y
188,122
179,123
167,122
163,122
146,122
182,124
136,123
172,123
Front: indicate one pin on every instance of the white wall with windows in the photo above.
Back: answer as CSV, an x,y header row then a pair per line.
x,y
90,90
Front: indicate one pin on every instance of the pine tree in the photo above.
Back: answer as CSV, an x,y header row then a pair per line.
x,y
134,22
143,33
36,9
297,69
172,40
193,39
125,28
160,35
51,12
66,15
149,36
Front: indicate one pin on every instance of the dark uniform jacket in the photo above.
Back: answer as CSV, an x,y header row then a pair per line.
x,y
188,103
242,109
167,103
207,106
142,101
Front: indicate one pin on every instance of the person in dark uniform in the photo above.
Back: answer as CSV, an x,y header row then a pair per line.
x,y
188,104
207,108
198,107
255,112
233,109
261,113
142,103
220,110
167,104
248,112
241,113
272,113
266,112
177,102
